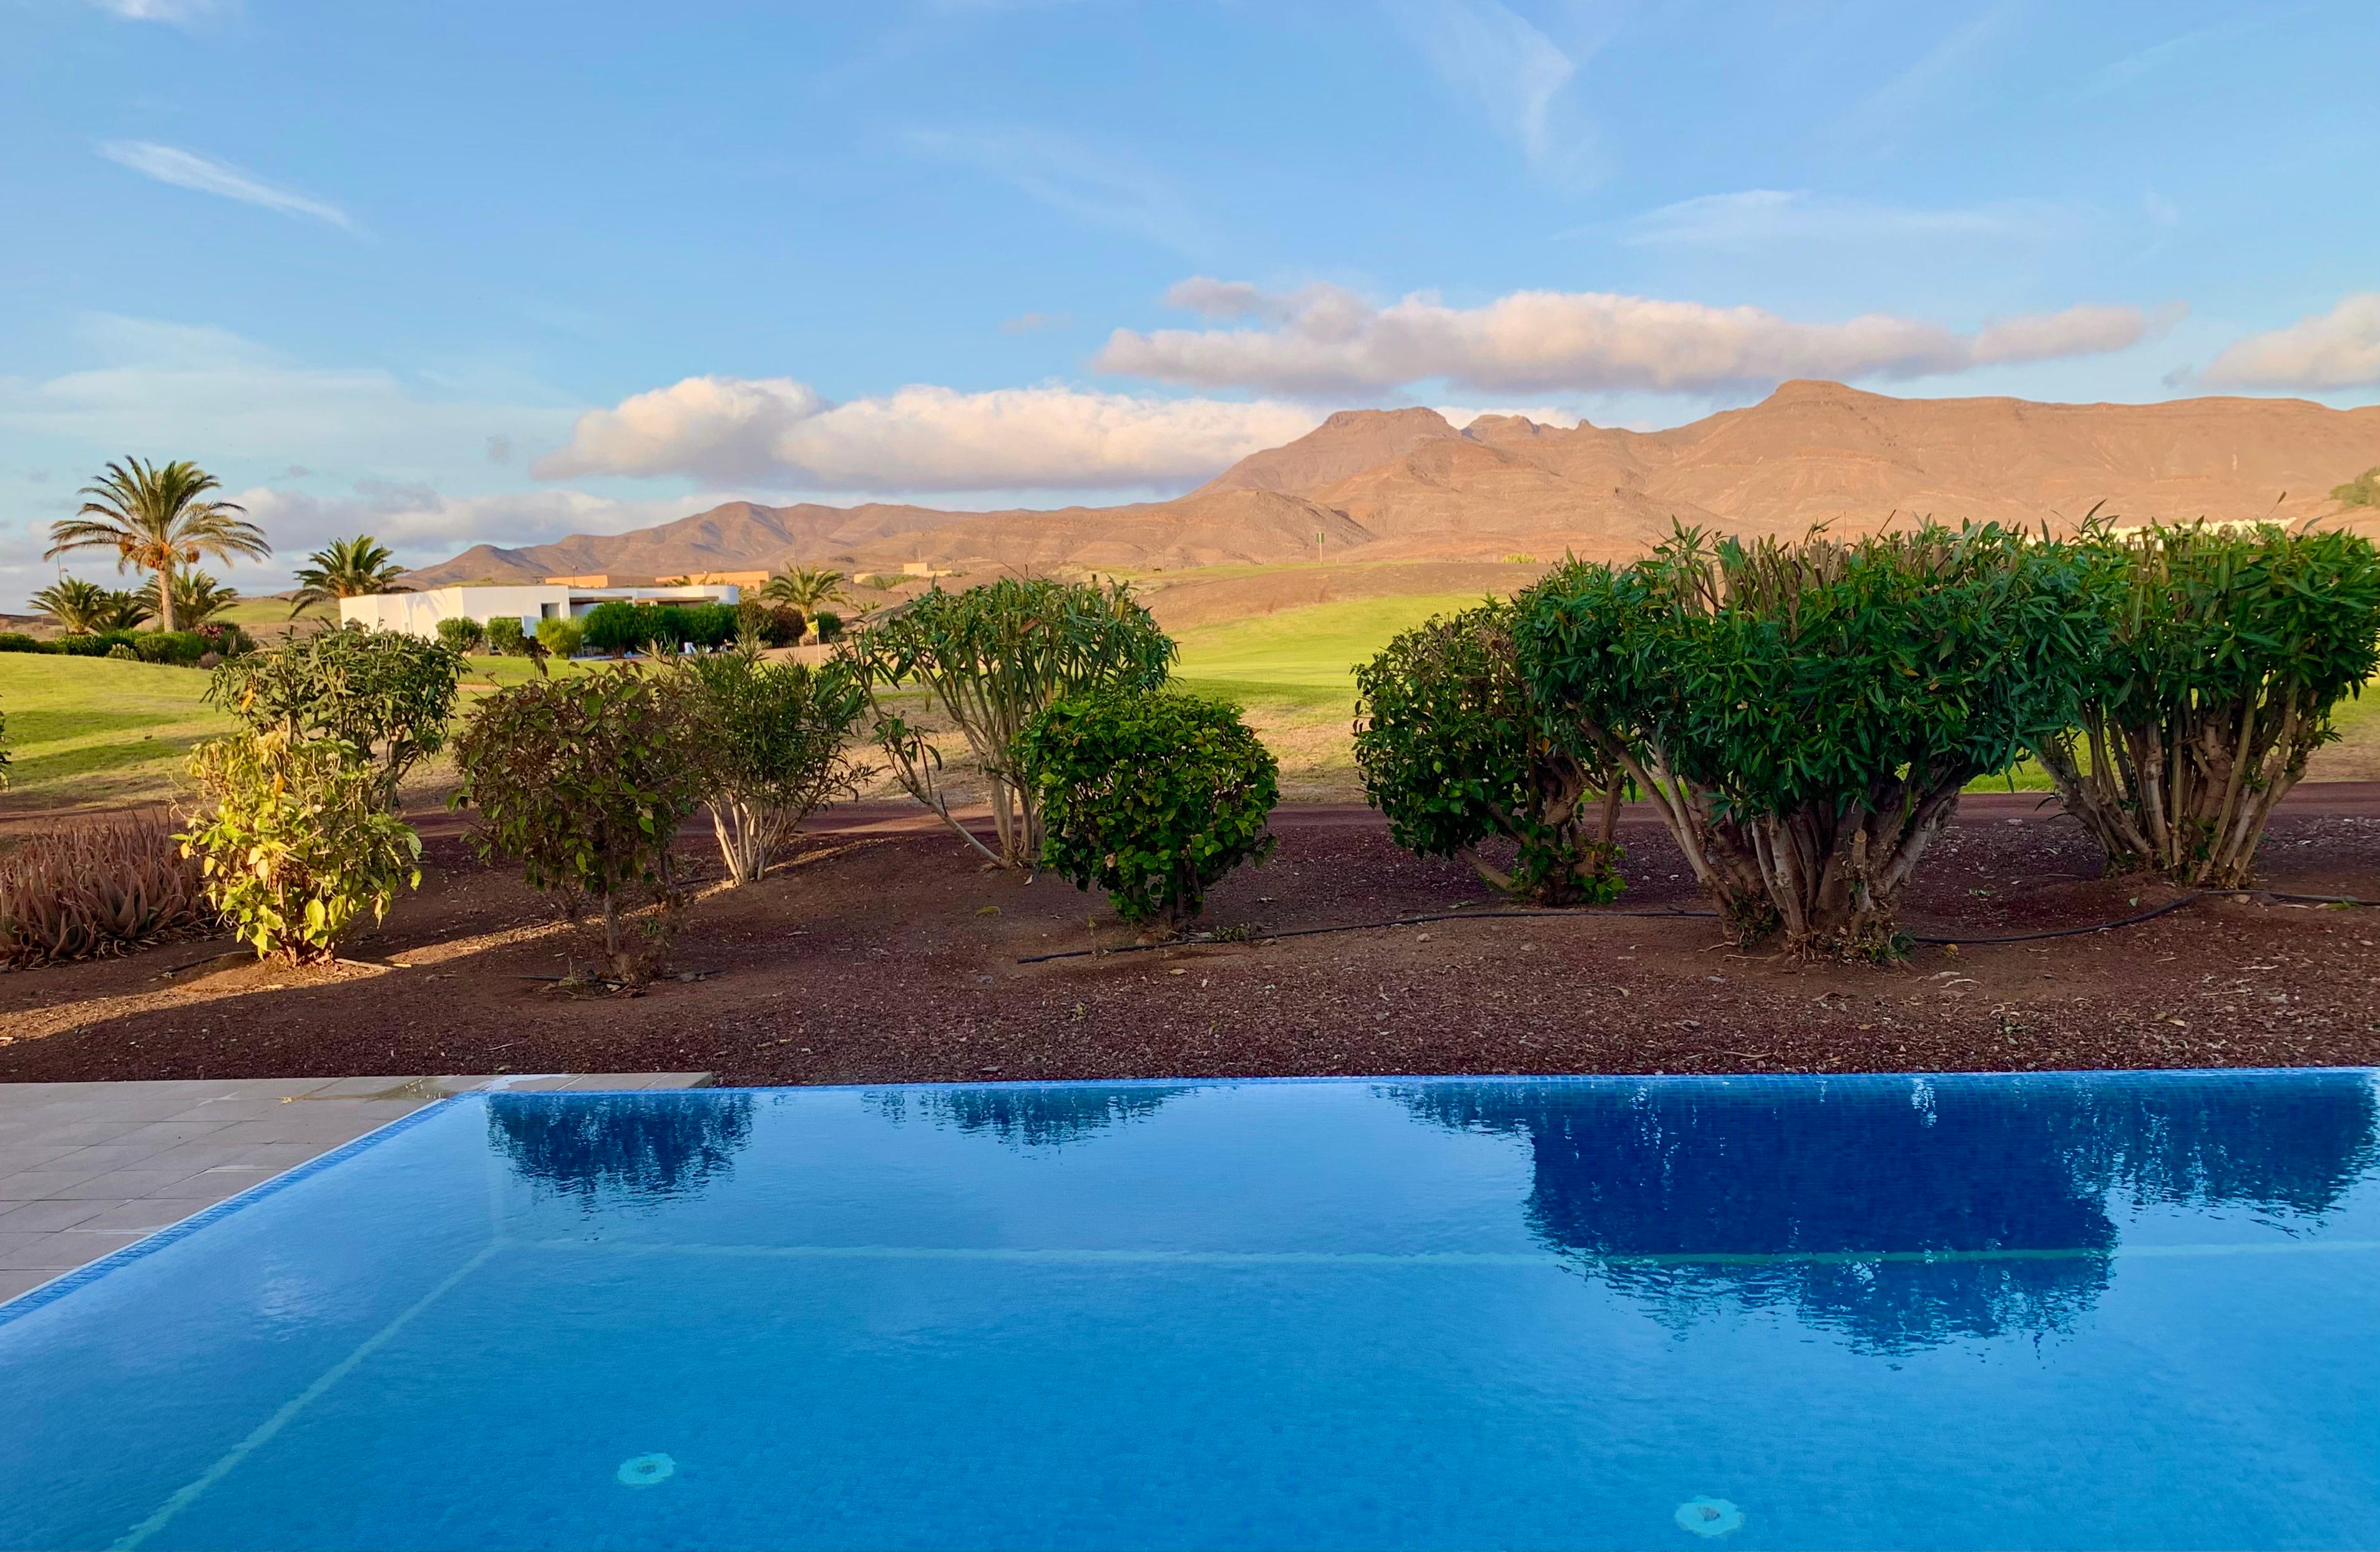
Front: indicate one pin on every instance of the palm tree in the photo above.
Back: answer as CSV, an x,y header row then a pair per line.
x,y
79,607
353,567
156,516
199,597
126,610
805,588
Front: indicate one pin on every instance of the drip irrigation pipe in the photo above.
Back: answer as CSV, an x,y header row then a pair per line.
x,y
2150,914
1348,927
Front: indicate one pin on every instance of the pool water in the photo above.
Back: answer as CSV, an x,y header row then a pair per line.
x,y
2036,1311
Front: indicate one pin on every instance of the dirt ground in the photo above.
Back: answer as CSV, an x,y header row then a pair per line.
x,y
883,952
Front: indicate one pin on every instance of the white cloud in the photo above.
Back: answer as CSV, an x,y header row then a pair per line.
x,y
2336,349
1095,186
921,438
185,169
1508,69
1760,218
1334,341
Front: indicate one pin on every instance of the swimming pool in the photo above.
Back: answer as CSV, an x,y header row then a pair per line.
x,y
2050,1310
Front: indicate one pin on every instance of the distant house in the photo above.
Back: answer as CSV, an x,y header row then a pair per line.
x,y
556,599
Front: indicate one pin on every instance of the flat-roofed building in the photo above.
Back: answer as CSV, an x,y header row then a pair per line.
x,y
566,599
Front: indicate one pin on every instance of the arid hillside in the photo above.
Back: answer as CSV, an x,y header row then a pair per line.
x,y
1404,485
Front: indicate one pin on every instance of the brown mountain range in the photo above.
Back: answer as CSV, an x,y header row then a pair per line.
x,y
1404,485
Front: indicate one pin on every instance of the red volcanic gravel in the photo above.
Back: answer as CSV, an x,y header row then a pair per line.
x,y
884,952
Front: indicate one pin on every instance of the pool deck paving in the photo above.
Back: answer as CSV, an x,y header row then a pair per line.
x,y
88,1168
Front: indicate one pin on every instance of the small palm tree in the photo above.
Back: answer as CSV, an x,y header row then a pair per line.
x,y
79,607
128,610
156,516
805,588
353,567
199,597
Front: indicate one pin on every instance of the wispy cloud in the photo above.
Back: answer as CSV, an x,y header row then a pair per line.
x,y
2330,350
1325,340
1034,322
181,13
188,169
1095,186
1763,217
2120,73
1940,76
1509,70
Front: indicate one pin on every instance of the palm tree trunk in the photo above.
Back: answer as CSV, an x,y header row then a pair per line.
x,y
165,597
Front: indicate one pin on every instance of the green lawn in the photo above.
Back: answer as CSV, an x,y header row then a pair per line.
x,y
96,730
1313,648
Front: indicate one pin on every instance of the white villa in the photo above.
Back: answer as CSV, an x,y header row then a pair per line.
x,y
556,599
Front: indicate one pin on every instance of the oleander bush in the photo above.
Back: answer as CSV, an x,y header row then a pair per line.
x,y
505,638
1803,716
297,846
773,739
1454,750
462,634
384,693
2229,652
584,782
992,658
1152,796
99,888
18,641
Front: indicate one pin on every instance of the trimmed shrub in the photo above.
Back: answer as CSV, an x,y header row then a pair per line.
x,y
299,843
1453,750
612,627
561,637
584,782
183,647
102,643
462,634
382,692
992,659
773,748
1150,795
827,624
505,638
18,641
1803,716
99,888
2230,653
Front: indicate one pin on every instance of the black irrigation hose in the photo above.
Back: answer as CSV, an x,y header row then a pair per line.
x,y
2150,914
2072,931
1348,927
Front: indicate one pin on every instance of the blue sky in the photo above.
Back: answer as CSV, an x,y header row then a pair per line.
x,y
454,272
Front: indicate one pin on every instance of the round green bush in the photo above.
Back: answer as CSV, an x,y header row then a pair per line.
x,y
506,636
1454,749
183,647
561,637
1153,797
462,633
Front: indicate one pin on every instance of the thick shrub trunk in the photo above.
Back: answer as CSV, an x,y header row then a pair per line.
x,y
1827,878
748,836
2187,797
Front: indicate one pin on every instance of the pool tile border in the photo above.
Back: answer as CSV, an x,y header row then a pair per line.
x,y
66,1282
